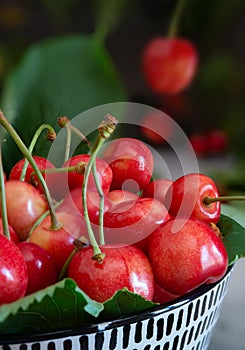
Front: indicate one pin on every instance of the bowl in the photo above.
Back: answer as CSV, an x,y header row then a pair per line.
x,y
185,324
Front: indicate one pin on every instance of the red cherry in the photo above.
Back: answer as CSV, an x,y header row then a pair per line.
x,y
13,235
13,272
217,141
157,189
42,164
40,266
188,194
103,170
185,255
129,159
24,205
123,267
120,196
199,144
73,204
133,221
59,243
169,64
161,296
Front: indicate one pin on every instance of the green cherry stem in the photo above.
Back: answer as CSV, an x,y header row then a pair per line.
x,y
24,150
101,204
209,200
68,143
174,22
106,128
3,197
51,135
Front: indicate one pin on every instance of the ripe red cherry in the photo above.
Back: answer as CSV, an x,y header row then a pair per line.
x,y
133,221
161,296
59,243
40,266
191,190
156,129
13,272
73,204
185,255
199,144
103,170
157,189
217,141
120,196
24,205
129,159
42,164
169,64
122,267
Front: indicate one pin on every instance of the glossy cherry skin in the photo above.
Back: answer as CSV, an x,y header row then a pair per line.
x,y
186,254
129,159
191,189
40,266
121,196
42,164
133,221
24,205
169,64
123,267
59,242
13,272
157,189
161,296
103,170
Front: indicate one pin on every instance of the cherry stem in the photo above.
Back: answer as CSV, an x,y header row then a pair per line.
x,y
175,19
106,128
101,205
24,150
3,197
65,122
51,135
209,200
88,168
68,143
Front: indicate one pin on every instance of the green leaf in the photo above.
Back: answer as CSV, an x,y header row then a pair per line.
x,y
59,76
124,303
234,238
62,305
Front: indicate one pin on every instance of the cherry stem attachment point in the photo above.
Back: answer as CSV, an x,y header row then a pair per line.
x,y
209,200
24,150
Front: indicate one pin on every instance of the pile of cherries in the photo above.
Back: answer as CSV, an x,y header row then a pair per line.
x,y
105,223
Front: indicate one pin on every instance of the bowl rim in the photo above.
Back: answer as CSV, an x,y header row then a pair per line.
x,y
119,322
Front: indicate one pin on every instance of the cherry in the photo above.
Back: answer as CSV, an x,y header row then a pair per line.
x,y
42,163
217,141
188,257
129,159
169,64
103,170
199,144
40,266
59,242
13,272
192,190
13,235
133,221
161,296
123,267
24,205
157,189
120,196
73,202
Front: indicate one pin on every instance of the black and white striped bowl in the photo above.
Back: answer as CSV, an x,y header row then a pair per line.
x,y
185,324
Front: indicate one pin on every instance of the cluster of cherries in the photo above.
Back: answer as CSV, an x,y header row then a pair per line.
x,y
156,238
